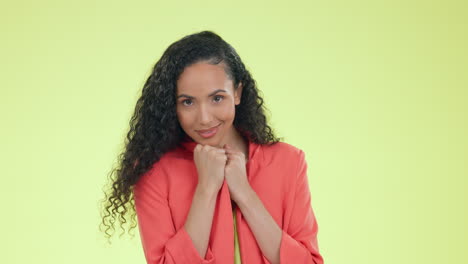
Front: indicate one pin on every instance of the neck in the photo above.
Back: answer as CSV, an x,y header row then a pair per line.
x,y
237,142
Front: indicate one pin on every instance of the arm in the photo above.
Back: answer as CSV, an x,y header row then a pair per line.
x,y
297,243
200,218
162,243
266,231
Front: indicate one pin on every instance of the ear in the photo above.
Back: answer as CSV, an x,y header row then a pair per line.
x,y
238,94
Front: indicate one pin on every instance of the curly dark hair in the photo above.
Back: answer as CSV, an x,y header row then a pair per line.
x,y
154,126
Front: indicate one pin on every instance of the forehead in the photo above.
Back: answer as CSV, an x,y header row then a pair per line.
x,y
203,77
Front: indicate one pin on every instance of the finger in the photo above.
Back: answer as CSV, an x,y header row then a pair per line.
x,y
209,148
230,149
233,156
234,153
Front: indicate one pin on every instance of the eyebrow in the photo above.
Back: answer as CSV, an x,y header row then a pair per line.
x,y
211,94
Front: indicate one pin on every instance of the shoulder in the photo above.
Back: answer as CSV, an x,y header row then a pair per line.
x,y
172,164
158,169
178,153
282,149
172,158
282,153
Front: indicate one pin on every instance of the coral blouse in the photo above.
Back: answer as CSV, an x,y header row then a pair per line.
x,y
277,173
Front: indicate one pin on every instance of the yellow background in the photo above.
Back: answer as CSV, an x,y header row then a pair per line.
x,y
375,93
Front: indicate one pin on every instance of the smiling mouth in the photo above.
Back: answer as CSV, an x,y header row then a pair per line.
x,y
208,130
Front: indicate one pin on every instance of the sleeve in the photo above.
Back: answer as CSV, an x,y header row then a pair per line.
x,y
161,242
299,237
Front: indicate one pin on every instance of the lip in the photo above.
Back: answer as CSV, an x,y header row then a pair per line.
x,y
206,133
209,129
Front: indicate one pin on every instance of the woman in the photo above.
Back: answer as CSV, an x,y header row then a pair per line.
x,y
210,181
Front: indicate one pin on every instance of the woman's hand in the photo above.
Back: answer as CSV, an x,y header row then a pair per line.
x,y
235,173
210,162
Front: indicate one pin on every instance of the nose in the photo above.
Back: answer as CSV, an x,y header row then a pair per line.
x,y
205,116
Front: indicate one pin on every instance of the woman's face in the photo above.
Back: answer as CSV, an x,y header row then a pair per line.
x,y
206,101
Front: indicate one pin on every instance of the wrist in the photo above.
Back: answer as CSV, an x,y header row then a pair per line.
x,y
245,197
205,192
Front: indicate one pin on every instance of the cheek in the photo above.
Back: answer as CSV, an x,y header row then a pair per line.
x,y
227,113
184,118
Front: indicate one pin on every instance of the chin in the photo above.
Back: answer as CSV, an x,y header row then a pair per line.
x,y
214,142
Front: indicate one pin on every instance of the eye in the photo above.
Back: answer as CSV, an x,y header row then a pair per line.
x,y
186,100
218,96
